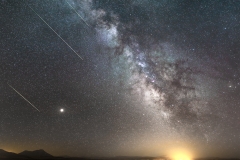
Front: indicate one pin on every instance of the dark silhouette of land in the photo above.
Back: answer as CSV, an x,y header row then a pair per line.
x,y
42,155
36,154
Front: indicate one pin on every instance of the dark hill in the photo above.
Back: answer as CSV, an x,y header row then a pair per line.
x,y
5,154
36,154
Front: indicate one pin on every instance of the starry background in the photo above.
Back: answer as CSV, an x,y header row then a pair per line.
x,y
157,77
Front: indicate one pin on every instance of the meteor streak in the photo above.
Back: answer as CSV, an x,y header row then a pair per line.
x,y
78,14
55,32
22,96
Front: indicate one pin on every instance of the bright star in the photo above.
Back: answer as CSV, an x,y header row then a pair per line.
x,y
61,110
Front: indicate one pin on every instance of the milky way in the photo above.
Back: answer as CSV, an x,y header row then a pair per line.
x,y
156,76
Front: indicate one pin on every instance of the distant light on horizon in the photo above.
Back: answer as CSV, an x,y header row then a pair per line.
x,y
181,154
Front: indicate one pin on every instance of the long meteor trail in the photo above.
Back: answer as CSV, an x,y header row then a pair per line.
x,y
55,32
78,14
23,97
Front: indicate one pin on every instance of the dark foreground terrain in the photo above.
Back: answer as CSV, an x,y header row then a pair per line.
x,y
42,155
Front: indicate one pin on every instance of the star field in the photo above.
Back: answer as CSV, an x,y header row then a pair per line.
x,y
155,78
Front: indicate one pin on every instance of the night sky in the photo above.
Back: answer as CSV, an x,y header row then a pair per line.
x,y
157,77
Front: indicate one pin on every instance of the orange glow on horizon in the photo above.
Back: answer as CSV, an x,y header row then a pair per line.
x,y
8,150
180,154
